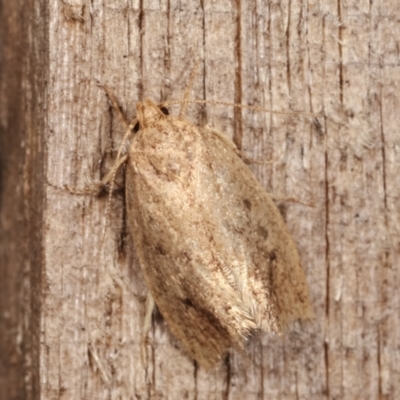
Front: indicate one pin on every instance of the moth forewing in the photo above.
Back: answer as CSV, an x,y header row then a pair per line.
x,y
215,252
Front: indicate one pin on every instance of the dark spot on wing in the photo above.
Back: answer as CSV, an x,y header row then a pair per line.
x,y
247,204
161,249
186,256
187,302
263,232
272,258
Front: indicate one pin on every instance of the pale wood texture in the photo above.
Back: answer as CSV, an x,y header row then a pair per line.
x,y
72,310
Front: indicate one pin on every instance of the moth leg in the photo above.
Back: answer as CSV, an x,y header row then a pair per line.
x,y
279,199
91,189
249,160
114,103
97,361
149,312
110,175
146,328
94,188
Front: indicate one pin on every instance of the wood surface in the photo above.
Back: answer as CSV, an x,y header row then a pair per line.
x,y
72,308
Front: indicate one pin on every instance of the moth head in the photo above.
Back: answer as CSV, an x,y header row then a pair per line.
x,y
148,113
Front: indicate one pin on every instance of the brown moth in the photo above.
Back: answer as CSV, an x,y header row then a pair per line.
x,y
215,252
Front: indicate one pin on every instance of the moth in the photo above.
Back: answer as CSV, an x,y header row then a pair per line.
x,y
215,252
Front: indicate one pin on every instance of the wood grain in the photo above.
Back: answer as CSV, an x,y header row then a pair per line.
x,y
72,311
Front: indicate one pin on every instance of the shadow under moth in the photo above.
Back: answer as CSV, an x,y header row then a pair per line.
x,y
217,257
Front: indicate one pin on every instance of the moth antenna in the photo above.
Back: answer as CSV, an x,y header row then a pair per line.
x,y
243,106
111,175
114,103
185,102
95,356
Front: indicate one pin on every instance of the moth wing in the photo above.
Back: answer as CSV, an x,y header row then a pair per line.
x,y
214,249
273,278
